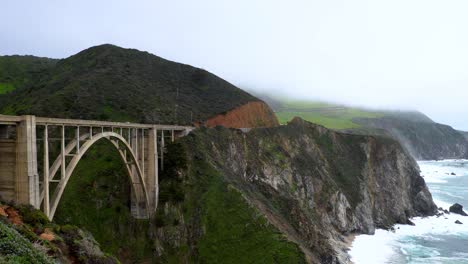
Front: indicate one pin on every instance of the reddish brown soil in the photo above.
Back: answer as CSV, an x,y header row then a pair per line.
x,y
13,216
47,235
252,114
2,211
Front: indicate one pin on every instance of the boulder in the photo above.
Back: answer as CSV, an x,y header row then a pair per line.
x,y
457,209
453,173
458,222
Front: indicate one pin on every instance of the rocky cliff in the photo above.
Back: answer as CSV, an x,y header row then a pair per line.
x,y
313,185
252,114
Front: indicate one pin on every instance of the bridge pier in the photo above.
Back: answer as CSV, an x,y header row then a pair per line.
x,y
152,170
19,177
27,177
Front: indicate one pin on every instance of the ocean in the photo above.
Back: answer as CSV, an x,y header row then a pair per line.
x,y
432,239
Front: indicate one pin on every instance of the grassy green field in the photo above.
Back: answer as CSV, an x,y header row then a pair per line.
x,y
325,114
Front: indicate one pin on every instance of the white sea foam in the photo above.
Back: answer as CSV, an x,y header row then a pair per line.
x,y
379,248
371,249
384,245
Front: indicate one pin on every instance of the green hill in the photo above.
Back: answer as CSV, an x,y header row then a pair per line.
x,y
111,83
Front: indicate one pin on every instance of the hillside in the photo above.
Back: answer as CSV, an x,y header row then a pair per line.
x,y
423,138
111,83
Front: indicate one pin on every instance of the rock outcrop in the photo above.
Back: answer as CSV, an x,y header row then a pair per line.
x,y
252,114
457,209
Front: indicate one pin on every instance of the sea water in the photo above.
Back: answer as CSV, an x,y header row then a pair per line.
x,y
432,239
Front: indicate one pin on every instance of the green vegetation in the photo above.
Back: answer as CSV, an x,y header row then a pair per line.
x,y
27,236
304,104
6,88
16,249
234,231
325,114
18,71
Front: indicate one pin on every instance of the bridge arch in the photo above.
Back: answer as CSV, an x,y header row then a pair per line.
x,y
128,156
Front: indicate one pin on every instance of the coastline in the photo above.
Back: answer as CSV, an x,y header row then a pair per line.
x,y
430,238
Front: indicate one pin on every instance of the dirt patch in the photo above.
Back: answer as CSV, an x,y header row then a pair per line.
x,y
13,216
252,114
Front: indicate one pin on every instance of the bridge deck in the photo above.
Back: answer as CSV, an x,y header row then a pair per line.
x,y
11,120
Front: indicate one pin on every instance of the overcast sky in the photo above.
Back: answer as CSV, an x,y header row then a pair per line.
x,y
408,54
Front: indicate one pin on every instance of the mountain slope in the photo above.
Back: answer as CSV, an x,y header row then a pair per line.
x,y
111,83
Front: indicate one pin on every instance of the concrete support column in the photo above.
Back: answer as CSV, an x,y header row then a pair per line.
x,y
162,150
152,176
45,181
138,202
27,178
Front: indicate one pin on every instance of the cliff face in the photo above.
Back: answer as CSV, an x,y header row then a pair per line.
x,y
424,140
316,185
252,114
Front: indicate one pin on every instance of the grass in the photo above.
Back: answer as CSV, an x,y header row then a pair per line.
x,y
15,248
304,104
6,88
325,114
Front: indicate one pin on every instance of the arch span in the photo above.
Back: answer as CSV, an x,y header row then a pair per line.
x,y
130,160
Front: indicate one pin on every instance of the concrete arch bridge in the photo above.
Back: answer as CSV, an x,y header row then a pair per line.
x,y
54,147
